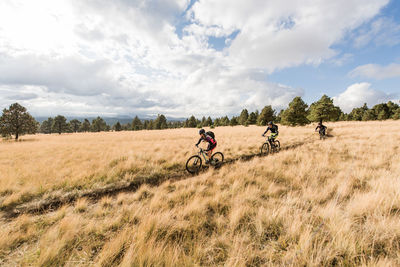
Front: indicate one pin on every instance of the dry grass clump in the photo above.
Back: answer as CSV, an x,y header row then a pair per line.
x,y
325,203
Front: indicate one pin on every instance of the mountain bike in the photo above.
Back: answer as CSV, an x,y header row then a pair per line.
x,y
195,162
270,146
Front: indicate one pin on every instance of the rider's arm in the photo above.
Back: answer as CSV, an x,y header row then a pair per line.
x,y
266,131
199,141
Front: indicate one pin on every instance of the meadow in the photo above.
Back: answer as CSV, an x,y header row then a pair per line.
x,y
317,202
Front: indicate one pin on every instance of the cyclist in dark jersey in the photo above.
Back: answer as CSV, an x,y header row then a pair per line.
x,y
321,128
212,144
274,131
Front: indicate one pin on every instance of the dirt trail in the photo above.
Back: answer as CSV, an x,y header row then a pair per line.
x,y
53,203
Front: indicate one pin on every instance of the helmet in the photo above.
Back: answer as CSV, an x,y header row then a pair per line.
x,y
202,131
270,123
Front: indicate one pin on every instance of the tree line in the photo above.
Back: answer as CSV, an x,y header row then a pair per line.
x,y
299,113
17,121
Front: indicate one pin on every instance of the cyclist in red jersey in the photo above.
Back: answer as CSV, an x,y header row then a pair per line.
x,y
212,144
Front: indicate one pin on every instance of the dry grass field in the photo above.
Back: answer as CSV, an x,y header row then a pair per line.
x,y
315,203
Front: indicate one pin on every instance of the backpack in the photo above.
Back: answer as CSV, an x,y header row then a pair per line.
x,y
211,134
276,126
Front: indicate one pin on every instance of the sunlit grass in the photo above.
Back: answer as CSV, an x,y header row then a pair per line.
x,y
332,202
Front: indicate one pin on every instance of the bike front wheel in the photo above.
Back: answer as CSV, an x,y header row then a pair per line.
x,y
264,149
193,164
217,159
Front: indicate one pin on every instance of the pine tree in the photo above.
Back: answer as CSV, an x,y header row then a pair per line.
x,y
396,114
46,126
244,116
60,124
99,125
117,127
368,115
209,121
381,111
357,113
160,122
150,125
192,122
17,121
85,127
393,107
252,118
267,114
324,110
234,121
75,125
225,121
137,124
203,122
296,113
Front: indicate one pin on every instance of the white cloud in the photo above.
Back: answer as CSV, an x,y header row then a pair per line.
x,y
382,31
125,57
342,59
279,34
359,93
374,71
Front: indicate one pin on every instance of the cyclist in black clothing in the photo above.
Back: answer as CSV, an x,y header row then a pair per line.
x,y
274,131
212,144
321,128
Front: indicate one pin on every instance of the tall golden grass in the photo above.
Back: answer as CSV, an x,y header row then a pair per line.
x,y
330,202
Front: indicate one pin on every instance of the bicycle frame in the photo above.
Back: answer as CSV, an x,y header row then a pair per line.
x,y
270,140
202,153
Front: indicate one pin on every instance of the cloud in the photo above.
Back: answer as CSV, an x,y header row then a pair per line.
x,y
23,96
342,59
374,71
359,93
382,32
126,57
279,34
69,74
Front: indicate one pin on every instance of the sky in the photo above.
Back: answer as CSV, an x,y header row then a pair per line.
x,y
200,57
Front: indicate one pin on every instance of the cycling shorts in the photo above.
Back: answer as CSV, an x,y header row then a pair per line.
x,y
211,146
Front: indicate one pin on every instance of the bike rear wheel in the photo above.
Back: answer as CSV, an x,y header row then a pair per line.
x,y
193,164
264,149
277,146
217,159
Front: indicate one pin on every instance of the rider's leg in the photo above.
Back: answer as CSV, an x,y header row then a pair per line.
x,y
210,150
272,138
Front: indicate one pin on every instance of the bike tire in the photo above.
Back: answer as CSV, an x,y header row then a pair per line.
x,y
193,164
264,150
277,146
217,159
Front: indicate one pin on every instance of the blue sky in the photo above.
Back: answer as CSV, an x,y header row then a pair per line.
x,y
331,79
184,57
